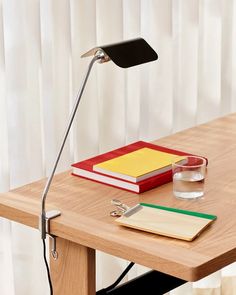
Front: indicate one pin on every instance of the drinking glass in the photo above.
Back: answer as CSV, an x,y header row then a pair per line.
x,y
188,177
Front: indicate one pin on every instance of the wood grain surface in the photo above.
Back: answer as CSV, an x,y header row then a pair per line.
x,y
165,223
73,272
85,207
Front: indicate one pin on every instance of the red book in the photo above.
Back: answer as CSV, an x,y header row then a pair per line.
x,y
85,168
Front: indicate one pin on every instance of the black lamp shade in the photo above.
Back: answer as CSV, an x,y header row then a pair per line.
x,y
127,53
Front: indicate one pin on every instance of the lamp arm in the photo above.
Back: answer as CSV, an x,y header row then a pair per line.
x,y
44,217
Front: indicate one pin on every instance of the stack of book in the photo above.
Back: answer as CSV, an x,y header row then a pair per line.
x,y
137,167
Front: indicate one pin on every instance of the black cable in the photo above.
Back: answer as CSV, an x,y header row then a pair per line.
x,y
47,267
127,269
131,264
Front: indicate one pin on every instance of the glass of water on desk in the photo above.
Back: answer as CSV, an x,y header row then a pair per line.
x,y
188,177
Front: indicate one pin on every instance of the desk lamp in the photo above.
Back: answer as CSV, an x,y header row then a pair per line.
x,y
124,54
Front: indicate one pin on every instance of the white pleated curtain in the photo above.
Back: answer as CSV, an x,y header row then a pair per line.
x,y
40,71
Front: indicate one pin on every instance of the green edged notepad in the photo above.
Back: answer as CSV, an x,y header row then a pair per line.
x,y
166,221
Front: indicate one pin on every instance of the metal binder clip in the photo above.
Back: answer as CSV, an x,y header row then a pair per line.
x,y
116,213
121,208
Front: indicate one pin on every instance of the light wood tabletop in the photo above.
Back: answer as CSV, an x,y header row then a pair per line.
x,y
85,207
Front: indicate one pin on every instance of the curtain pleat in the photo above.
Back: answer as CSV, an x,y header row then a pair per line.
x,y
4,155
185,63
55,78
131,29
83,37
233,72
227,53
7,285
111,82
144,73
209,66
22,96
160,95
41,42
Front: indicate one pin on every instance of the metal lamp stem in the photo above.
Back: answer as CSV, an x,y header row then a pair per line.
x,y
46,216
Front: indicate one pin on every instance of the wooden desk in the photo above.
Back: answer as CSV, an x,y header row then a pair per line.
x,y
85,224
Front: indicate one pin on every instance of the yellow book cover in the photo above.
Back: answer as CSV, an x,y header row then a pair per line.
x,y
138,165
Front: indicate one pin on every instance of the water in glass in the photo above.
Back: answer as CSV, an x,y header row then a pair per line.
x,y
188,184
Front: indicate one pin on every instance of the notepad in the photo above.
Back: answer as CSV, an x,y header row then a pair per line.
x,y
171,222
138,165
